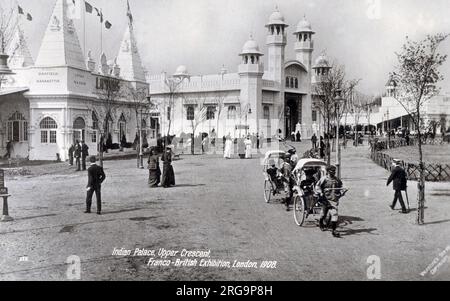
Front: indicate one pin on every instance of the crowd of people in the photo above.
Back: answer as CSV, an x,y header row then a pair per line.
x,y
78,152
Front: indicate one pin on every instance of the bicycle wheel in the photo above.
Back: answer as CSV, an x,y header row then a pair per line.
x,y
299,210
267,191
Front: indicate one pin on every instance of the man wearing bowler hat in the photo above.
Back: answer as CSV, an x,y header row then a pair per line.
x,y
398,177
96,176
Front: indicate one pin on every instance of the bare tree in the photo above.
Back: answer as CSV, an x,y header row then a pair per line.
x,y
173,85
109,92
219,99
9,23
417,75
358,106
332,84
141,105
197,118
8,26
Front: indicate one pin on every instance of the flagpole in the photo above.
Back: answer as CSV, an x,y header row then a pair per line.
x,y
83,7
101,32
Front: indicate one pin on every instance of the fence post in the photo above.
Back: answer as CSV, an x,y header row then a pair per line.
x,y
4,194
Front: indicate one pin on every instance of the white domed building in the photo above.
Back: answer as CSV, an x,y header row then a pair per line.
x,y
60,96
268,95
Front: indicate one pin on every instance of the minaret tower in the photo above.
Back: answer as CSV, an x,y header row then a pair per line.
x,y
251,71
276,44
304,44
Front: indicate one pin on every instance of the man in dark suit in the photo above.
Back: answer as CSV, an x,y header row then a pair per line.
x,y
398,177
71,150
77,155
96,176
84,154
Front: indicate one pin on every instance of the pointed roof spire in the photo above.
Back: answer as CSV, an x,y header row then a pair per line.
x,y
18,51
129,60
60,45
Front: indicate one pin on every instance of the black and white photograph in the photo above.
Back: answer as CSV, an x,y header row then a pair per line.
x,y
224,140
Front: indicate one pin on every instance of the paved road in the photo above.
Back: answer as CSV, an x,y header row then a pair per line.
x,y
217,205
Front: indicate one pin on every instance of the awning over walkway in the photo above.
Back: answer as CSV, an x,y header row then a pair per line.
x,y
9,91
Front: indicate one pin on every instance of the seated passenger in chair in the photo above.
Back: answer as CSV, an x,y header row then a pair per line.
x,y
307,185
274,174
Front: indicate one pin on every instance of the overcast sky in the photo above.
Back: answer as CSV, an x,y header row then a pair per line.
x,y
206,34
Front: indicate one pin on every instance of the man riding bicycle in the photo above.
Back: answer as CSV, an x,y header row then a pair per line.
x,y
328,189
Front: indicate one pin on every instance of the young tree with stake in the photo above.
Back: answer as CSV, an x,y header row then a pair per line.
x,y
417,75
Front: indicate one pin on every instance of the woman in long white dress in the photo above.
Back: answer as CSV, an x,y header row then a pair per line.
x,y
248,148
228,147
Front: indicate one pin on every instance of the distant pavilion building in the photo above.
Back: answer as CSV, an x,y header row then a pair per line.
x,y
269,101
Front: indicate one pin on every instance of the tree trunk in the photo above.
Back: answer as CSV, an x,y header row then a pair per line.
x,y
421,185
328,142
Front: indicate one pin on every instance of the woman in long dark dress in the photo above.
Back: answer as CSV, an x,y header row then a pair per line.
x,y
168,176
154,172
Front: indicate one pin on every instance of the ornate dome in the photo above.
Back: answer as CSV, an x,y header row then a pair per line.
x,y
304,26
276,18
251,47
181,71
322,62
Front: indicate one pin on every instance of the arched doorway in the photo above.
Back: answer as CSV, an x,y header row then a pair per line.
x,y
79,129
292,113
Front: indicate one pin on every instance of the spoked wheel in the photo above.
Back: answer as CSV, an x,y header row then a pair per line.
x,y
267,191
299,210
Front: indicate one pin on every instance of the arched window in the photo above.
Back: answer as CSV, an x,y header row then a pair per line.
x,y
122,127
252,58
287,82
266,111
296,83
190,113
48,128
292,83
95,127
210,113
231,112
78,129
17,128
79,124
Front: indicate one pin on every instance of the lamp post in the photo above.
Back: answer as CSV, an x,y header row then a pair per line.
x,y
388,129
337,102
141,141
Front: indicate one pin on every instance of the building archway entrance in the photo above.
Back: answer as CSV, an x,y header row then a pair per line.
x,y
292,114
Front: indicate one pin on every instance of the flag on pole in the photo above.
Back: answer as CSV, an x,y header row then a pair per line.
x,y
20,9
129,15
108,25
88,7
99,14
74,9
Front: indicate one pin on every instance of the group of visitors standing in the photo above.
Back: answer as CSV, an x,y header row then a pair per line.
x,y
167,177
244,147
79,152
